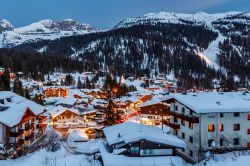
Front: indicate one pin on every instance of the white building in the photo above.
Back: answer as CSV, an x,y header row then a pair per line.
x,y
209,121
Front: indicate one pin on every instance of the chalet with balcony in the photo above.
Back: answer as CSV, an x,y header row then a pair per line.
x,y
154,112
210,121
61,115
56,92
22,122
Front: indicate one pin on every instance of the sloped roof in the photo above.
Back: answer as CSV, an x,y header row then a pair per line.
x,y
212,102
16,108
131,132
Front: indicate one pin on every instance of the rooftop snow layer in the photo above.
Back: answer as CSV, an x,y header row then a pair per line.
x,y
130,132
211,102
16,107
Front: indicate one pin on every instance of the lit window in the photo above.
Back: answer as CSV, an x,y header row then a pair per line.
x,y
221,127
211,128
190,125
182,122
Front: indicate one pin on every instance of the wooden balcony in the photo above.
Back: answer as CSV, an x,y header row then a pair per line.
x,y
29,137
42,119
28,127
16,134
41,126
191,119
174,125
20,142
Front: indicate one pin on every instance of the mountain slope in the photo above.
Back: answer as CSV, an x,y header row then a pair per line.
x,y
42,30
197,48
5,26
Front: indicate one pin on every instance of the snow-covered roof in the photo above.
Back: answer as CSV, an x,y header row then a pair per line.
x,y
153,101
212,102
14,109
57,110
66,101
130,132
132,99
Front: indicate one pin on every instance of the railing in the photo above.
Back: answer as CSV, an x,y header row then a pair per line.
x,y
174,125
41,126
28,127
29,137
16,134
191,119
42,119
20,142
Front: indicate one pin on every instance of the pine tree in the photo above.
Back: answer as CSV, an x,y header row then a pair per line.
x,y
5,81
109,82
38,100
68,80
88,84
27,94
20,88
112,115
79,83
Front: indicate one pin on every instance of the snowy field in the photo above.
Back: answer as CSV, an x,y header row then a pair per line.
x,y
230,159
44,158
64,158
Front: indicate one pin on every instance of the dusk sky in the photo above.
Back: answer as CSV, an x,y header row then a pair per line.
x,y
107,13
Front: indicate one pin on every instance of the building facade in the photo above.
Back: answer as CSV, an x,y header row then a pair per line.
x,y
56,92
210,122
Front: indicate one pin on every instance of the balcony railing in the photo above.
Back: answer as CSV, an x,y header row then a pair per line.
x,y
41,126
16,134
28,127
27,138
42,119
188,118
174,125
20,142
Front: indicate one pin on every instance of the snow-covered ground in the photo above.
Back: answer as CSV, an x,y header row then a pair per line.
x,y
44,158
229,159
64,158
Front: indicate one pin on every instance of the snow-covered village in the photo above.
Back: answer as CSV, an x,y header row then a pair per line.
x,y
141,84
